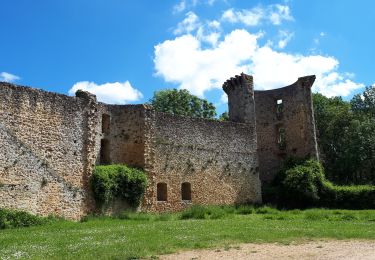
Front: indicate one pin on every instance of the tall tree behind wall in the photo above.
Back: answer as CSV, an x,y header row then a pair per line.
x,y
346,134
181,102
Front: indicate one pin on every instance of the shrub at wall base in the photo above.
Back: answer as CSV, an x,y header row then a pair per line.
x,y
302,185
112,182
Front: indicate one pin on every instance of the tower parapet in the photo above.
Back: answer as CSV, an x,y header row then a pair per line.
x,y
240,93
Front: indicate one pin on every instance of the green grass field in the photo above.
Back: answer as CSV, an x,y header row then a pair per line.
x,y
145,235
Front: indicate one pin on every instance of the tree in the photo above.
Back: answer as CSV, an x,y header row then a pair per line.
x,y
224,116
364,103
346,139
181,102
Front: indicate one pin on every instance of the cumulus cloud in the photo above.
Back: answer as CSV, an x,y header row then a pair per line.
x,y
8,77
275,14
110,93
208,31
184,61
250,17
284,38
189,24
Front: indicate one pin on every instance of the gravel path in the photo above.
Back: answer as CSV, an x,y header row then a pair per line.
x,y
332,249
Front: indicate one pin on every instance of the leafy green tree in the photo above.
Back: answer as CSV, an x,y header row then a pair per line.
x,y
346,138
181,102
364,103
224,116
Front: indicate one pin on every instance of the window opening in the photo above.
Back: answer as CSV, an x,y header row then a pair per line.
x,y
162,191
279,108
186,191
104,152
106,122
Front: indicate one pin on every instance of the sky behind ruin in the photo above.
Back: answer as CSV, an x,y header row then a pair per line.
x,y
123,51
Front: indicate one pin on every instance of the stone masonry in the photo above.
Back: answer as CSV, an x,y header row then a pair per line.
x,y
50,144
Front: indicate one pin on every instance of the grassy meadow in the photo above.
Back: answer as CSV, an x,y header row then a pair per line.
x,y
136,235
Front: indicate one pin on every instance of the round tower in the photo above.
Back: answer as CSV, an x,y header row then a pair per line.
x,y
240,91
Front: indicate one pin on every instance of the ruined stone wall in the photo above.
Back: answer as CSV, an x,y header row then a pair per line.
x,y
124,134
48,148
284,129
217,159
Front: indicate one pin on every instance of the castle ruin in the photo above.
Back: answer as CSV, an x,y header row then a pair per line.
x,y
50,144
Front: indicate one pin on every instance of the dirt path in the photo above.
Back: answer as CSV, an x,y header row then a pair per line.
x,y
348,249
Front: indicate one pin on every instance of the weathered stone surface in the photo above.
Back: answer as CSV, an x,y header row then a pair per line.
x,y
47,144
50,143
218,159
296,117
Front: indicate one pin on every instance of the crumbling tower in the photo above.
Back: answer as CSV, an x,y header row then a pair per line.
x,y
240,93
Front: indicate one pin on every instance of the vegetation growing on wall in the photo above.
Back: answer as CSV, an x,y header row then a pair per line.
x,y
118,181
303,184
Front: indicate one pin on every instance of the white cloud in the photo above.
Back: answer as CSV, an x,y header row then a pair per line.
x,y
8,77
275,14
189,4
250,17
214,24
189,24
110,93
180,7
273,69
285,37
278,13
185,62
207,31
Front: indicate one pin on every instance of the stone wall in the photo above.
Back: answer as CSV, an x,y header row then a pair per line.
x,y
48,144
217,159
124,134
284,129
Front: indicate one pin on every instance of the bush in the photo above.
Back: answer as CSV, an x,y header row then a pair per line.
x,y
348,197
304,185
14,218
118,181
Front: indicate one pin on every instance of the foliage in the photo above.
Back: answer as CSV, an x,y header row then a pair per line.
x,y
224,116
181,102
114,238
364,103
346,137
118,181
304,185
15,218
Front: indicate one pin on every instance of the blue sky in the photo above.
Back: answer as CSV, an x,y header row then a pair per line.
x,y
123,51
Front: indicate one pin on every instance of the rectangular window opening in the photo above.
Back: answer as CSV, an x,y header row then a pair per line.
x,y
279,108
186,191
106,122
105,152
161,190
